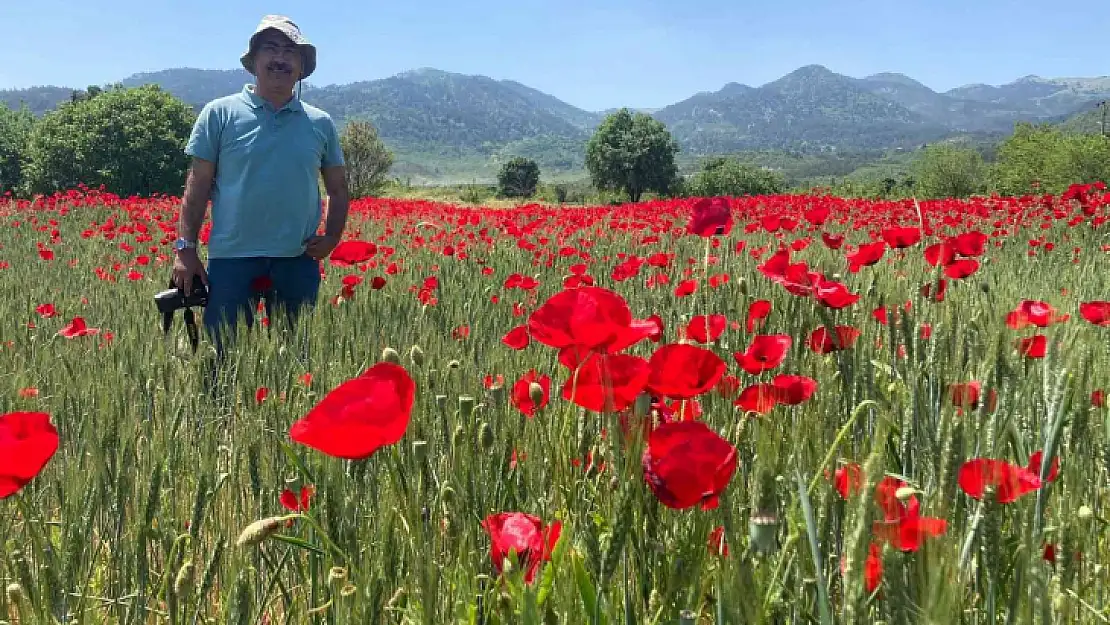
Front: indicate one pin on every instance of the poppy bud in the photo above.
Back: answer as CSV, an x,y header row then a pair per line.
x,y
1085,513
466,407
14,593
184,580
416,356
260,530
395,601
454,364
762,532
485,436
985,287
497,394
535,393
336,575
348,590
390,355
742,285
420,450
447,494
457,436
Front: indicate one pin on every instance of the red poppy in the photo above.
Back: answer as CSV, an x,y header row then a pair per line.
x,y
260,394
844,338
1033,347
517,338
848,479
1034,466
793,389
834,294
361,415
902,237
587,316
261,284
766,352
46,310
706,328
1033,313
1097,313
77,327
685,288
28,440
866,255
1098,398
1008,481
607,383
682,371
526,536
909,532
352,252
717,543
757,313
970,243
758,398
522,392
962,268
687,464
832,241
710,217
290,501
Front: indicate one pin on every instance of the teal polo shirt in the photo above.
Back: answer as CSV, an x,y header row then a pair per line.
x,y
266,197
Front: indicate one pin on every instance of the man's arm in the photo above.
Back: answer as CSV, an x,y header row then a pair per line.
x,y
335,183
198,190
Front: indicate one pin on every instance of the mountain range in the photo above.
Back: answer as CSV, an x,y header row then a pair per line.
x,y
445,125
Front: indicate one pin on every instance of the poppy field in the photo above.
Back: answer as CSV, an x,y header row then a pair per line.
x,y
787,409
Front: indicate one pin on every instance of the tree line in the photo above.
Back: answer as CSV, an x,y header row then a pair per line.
x,y
131,141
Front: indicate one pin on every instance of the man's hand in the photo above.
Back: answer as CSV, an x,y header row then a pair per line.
x,y
185,266
320,246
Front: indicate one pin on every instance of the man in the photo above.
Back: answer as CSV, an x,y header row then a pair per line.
x,y
258,156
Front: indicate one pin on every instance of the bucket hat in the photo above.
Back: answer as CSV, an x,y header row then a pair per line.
x,y
287,27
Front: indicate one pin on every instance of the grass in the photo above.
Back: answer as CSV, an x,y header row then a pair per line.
x,y
136,517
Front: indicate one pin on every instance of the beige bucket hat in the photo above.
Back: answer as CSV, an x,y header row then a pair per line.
x,y
287,27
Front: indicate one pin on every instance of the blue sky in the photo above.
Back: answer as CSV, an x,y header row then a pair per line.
x,y
600,54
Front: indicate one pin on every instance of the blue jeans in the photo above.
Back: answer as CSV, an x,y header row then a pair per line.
x,y
237,285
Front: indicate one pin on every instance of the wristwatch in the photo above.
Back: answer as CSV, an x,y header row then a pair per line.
x,y
182,244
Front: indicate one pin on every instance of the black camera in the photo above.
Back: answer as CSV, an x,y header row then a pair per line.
x,y
174,299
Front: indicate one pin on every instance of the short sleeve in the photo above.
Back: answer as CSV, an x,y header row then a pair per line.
x,y
204,141
333,151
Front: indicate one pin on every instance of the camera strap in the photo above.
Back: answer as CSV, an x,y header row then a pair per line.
x,y
190,324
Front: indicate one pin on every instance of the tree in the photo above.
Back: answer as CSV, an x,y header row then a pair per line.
x,y
368,159
15,130
518,178
129,140
726,176
944,170
632,153
1043,159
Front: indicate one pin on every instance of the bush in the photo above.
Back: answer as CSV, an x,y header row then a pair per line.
x,y
15,131
943,171
729,177
367,158
1043,159
131,141
518,178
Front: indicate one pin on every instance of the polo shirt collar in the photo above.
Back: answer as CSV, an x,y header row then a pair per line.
x,y
255,101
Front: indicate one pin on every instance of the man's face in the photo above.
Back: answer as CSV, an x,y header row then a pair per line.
x,y
277,60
